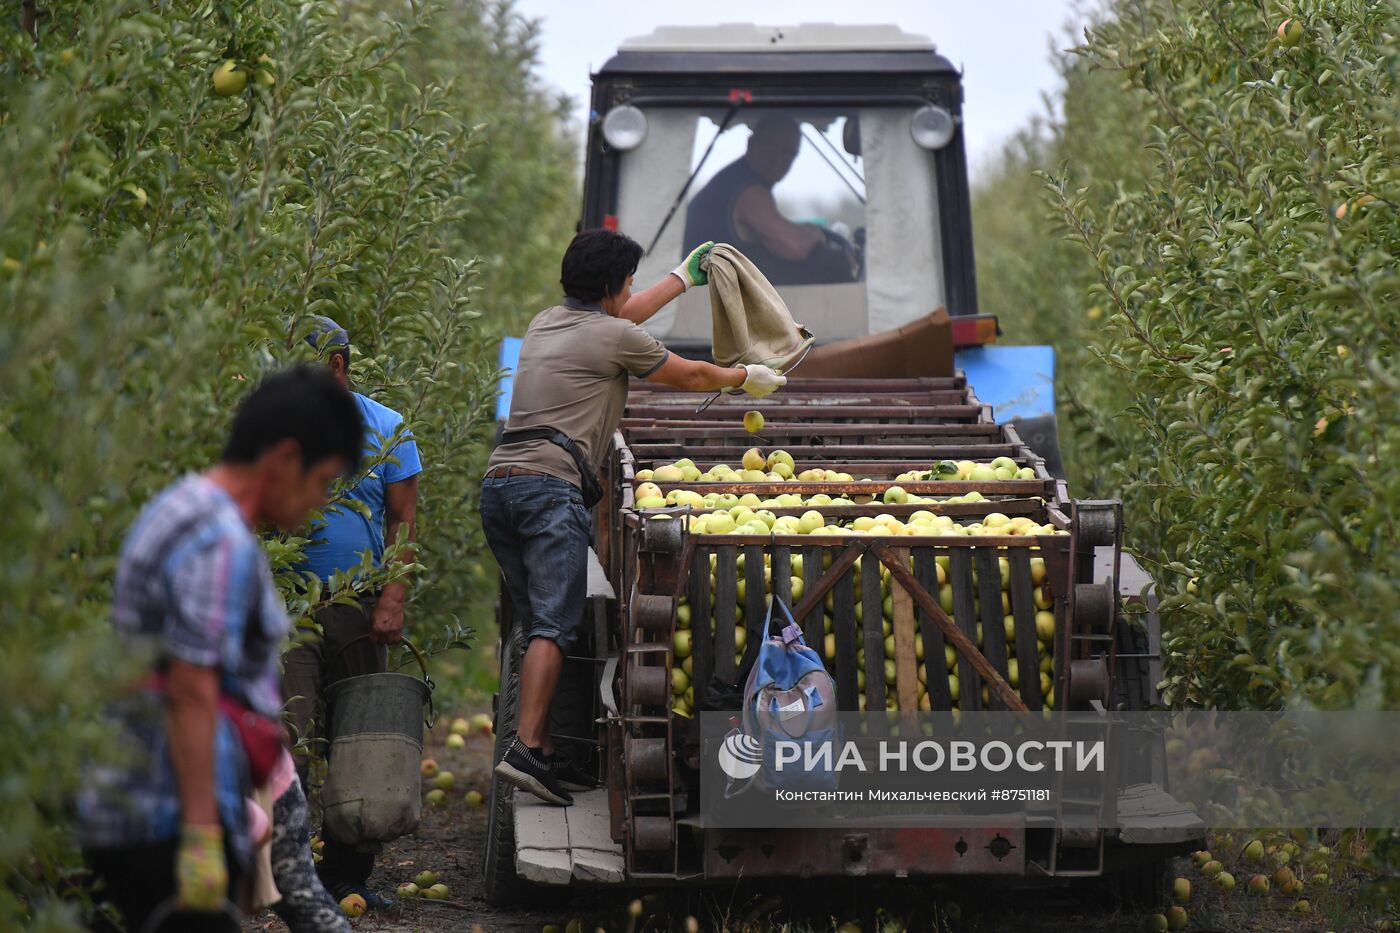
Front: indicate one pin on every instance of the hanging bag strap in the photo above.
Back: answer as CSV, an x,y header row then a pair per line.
x,y
592,492
791,632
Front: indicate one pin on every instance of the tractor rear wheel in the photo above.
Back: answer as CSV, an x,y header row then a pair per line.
x,y
502,886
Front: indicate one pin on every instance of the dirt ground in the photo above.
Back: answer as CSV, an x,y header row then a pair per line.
x,y
451,842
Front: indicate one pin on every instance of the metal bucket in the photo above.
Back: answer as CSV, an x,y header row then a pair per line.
x,y
375,726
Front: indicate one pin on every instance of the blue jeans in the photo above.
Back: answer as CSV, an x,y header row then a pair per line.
x,y
539,531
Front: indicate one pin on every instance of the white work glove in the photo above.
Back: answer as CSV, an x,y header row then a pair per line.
x,y
692,272
761,380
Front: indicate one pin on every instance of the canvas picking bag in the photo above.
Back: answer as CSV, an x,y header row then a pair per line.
x,y
751,323
790,697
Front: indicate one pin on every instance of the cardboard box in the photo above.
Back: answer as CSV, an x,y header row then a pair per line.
x,y
919,348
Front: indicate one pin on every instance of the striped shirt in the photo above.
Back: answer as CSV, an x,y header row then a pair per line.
x,y
192,585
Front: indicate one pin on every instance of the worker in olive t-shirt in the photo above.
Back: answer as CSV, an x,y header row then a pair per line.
x,y
572,377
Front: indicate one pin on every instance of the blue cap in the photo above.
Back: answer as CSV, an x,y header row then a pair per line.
x,y
326,334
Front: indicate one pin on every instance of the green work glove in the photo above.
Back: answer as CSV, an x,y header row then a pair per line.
x,y
691,272
201,876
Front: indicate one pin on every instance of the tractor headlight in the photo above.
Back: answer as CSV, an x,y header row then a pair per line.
x,y
932,127
625,127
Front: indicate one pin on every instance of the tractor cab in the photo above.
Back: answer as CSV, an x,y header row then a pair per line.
x,y
828,155
831,156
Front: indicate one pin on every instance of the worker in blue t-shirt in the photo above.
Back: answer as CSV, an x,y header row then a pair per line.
x,y
389,491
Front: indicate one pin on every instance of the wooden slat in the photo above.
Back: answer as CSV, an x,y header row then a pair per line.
x,y
782,582
993,620
864,413
539,826
593,854
961,643
1058,581
837,384
726,602
874,629
643,428
702,646
905,661
755,602
541,842
557,845
1023,608
1033,507
543,866
795,392
965,614
922,487
935,666
951,541
814,622
843,613
1148,815
874,467
592,866
817,590
651,455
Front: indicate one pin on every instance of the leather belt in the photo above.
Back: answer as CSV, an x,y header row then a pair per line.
x,y
505,472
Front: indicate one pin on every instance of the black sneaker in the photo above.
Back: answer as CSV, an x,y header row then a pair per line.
x,y
529,770
569,775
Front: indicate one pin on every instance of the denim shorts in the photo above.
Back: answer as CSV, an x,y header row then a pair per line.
x,y
539,531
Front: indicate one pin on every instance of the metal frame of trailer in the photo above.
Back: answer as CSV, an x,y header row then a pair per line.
x,y
615,712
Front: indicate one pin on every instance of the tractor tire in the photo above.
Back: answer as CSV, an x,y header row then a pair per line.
x,y
502,886
1145,885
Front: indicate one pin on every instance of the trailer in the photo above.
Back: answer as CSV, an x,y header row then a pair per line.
x,y
979,583
996,621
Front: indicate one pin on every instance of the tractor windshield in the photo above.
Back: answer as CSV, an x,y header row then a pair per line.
x,y
838,208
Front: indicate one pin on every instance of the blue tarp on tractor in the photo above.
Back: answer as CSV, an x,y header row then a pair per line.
x,y
1018,382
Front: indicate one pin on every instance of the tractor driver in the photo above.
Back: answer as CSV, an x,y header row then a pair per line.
x,y
737,207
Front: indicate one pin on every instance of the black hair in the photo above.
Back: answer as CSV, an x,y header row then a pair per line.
x,y
597,264
304,403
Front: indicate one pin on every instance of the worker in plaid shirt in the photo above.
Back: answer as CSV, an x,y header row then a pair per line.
x,y
167,820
